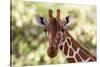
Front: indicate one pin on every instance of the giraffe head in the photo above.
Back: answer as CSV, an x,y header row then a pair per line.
x,y
53,26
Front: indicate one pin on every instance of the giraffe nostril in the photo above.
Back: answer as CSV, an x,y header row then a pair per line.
x,y
55,47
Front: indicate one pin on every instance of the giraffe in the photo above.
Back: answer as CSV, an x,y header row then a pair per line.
x,y
60,39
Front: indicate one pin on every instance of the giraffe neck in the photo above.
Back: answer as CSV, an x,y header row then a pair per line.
x,y
72,50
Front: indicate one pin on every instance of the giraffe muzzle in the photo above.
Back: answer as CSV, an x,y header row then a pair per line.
x,y
52,51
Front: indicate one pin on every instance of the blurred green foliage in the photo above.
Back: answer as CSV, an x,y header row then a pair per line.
x,y
28,40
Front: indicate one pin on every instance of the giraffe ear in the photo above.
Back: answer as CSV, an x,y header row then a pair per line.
x,y
40,20
67,21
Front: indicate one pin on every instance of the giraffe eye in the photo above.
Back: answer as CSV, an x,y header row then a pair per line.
x,y
62,30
